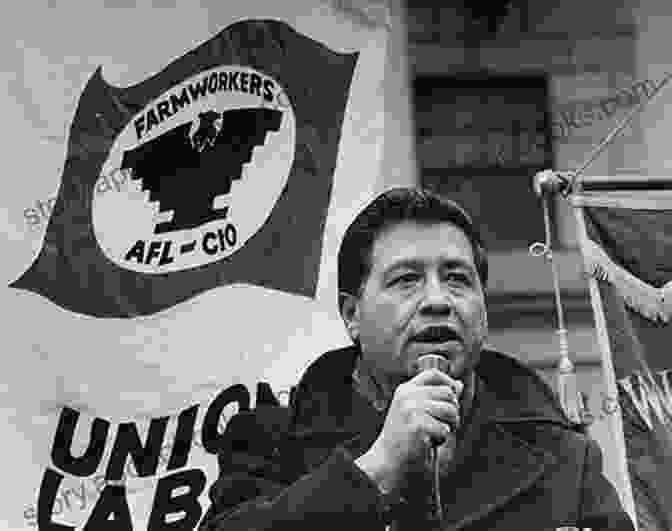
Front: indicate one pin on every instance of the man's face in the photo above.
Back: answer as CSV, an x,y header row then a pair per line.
x,y
423,295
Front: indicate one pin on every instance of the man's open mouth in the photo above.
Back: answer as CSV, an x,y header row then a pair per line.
x,y
436,334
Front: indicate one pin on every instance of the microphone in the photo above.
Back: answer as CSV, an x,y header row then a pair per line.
x,y
432,361
423,363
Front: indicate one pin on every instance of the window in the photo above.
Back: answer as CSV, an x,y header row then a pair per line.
x,y
480,140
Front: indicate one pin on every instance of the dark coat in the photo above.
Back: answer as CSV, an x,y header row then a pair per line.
x,y
520,463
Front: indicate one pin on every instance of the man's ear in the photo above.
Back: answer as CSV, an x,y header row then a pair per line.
x,y
349,306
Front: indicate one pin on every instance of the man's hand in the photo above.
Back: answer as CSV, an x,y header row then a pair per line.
x,y
421,415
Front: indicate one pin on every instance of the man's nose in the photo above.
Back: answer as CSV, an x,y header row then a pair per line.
x,y
436,297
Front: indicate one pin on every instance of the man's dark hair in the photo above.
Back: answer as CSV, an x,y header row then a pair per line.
x,y
391,208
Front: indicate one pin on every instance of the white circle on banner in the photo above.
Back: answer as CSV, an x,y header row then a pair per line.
x,y
196,173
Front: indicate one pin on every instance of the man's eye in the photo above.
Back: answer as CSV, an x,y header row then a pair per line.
x,y
404,280
460,278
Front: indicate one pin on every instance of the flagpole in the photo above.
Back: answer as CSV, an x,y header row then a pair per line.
x,y
574,176
614,420
619,128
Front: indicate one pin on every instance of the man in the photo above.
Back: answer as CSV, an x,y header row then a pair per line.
x,y
365,420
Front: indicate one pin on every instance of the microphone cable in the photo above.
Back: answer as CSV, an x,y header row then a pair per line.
x,y
438,506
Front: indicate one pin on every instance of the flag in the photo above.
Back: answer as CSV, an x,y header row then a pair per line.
x,y
179,180
627,248
252,116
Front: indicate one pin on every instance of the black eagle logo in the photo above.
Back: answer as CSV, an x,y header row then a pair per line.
x,y
185,171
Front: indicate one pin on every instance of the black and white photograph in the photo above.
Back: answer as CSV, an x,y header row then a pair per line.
x,y
391,265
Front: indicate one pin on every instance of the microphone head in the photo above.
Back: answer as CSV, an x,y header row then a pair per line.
x,y
432,361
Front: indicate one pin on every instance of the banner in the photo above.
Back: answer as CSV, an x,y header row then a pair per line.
x,y
626,243
177,183
239,100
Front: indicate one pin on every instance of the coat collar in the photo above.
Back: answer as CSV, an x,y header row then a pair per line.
x,y
521,395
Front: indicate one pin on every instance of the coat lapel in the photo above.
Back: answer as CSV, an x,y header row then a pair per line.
x,y
367,421
492,465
